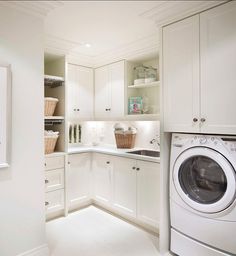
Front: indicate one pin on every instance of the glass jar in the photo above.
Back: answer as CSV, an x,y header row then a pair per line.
x,y
150,74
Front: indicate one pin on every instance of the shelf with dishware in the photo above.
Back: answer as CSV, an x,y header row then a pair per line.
x,y
142,91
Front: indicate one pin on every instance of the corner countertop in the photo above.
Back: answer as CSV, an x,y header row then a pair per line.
x,y
112,150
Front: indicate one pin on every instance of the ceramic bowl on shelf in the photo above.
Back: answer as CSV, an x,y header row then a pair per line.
x,y
149,80
139,81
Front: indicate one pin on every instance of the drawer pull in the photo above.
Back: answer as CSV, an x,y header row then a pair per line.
x,y
46,181
134,168
45,164
137,169
108,162
46,203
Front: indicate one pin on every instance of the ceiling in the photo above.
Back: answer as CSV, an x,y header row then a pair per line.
x,y
114,29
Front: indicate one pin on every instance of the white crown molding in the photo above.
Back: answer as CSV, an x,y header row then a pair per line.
x,y
169,11
139,48
38,251
39,9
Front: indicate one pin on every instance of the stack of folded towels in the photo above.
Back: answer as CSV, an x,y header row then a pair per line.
x,y
120,129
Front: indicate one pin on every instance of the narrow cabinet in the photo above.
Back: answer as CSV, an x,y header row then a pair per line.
x,y
181,75
80,92
102,178
148,192
124,185
109,91
78,180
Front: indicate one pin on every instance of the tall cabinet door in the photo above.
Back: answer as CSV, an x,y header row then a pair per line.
x,y
181,75
102,92
148,193
78,180
117,88
124,186
102,179
80,92
218,74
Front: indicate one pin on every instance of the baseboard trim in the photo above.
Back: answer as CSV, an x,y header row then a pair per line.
x,y
38,251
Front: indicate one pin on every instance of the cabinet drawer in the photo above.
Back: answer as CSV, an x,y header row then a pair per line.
x,y
54,179
54,201
54,162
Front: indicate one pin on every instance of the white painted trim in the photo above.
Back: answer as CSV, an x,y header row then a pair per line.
x,y
42,250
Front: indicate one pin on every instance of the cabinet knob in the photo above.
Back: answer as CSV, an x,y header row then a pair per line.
x,y
46,203
203,120
68,162
134,168
137,169
45,164
46,181
74,109
78,109
195,119
107,109
108,162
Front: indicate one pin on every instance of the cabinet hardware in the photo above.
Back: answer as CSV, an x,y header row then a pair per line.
x,y
134,168
203,120
78,109
108,162
46,181
74,109
195,119
46,203
45,164
68,162
137,169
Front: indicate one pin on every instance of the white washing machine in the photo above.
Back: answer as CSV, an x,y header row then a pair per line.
x,y
202,195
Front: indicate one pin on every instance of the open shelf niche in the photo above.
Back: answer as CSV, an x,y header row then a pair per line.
x,y
54,69
149,90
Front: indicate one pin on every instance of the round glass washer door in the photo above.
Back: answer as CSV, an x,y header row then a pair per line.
x,y
204,179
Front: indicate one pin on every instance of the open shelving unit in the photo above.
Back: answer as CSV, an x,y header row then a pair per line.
x,y
148,90
54,81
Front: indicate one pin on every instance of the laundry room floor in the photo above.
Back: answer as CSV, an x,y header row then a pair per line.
x,y
93,232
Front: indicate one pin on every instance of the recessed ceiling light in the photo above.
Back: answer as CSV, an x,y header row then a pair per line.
x,y
87,45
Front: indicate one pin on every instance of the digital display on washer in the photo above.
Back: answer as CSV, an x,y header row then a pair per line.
x,y
202,179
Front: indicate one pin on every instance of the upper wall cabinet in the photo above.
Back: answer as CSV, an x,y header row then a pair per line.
x,y
199,72
109,91
79,92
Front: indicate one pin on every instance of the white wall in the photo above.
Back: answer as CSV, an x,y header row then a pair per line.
x,y
22,225
103,132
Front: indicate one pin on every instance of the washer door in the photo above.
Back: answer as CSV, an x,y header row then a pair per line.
x,y
204,179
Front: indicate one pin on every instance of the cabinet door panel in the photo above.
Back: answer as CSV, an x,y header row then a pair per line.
x,y
124,186
54,179
148,193
218,62
117,89
181,75
102,92
102,168
54,201
80,92
78,180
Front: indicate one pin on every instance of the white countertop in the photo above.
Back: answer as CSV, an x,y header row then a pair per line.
x,y
113,151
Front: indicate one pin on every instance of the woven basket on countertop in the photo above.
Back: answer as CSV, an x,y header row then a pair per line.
x,y
125,140
50,143
49,106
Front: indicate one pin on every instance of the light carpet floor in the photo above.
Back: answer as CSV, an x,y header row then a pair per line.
x,y
93,232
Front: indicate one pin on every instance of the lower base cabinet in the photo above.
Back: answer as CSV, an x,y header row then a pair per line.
x,y
54,201
124,185
78,180
102,166
148,192
127,187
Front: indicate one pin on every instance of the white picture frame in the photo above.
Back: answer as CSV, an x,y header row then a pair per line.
x,y
5,115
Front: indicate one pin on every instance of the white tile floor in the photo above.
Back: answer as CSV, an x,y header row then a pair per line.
x,y
93,232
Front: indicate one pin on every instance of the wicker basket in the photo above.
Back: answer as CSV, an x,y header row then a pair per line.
x,y
125,140
50,143
49,106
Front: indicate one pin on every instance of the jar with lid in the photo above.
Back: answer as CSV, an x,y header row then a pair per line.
x,y
139,74
150,74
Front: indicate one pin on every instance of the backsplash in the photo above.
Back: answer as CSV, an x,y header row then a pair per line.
x,y
102,133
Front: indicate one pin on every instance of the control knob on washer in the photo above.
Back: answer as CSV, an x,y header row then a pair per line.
x,y
203,140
